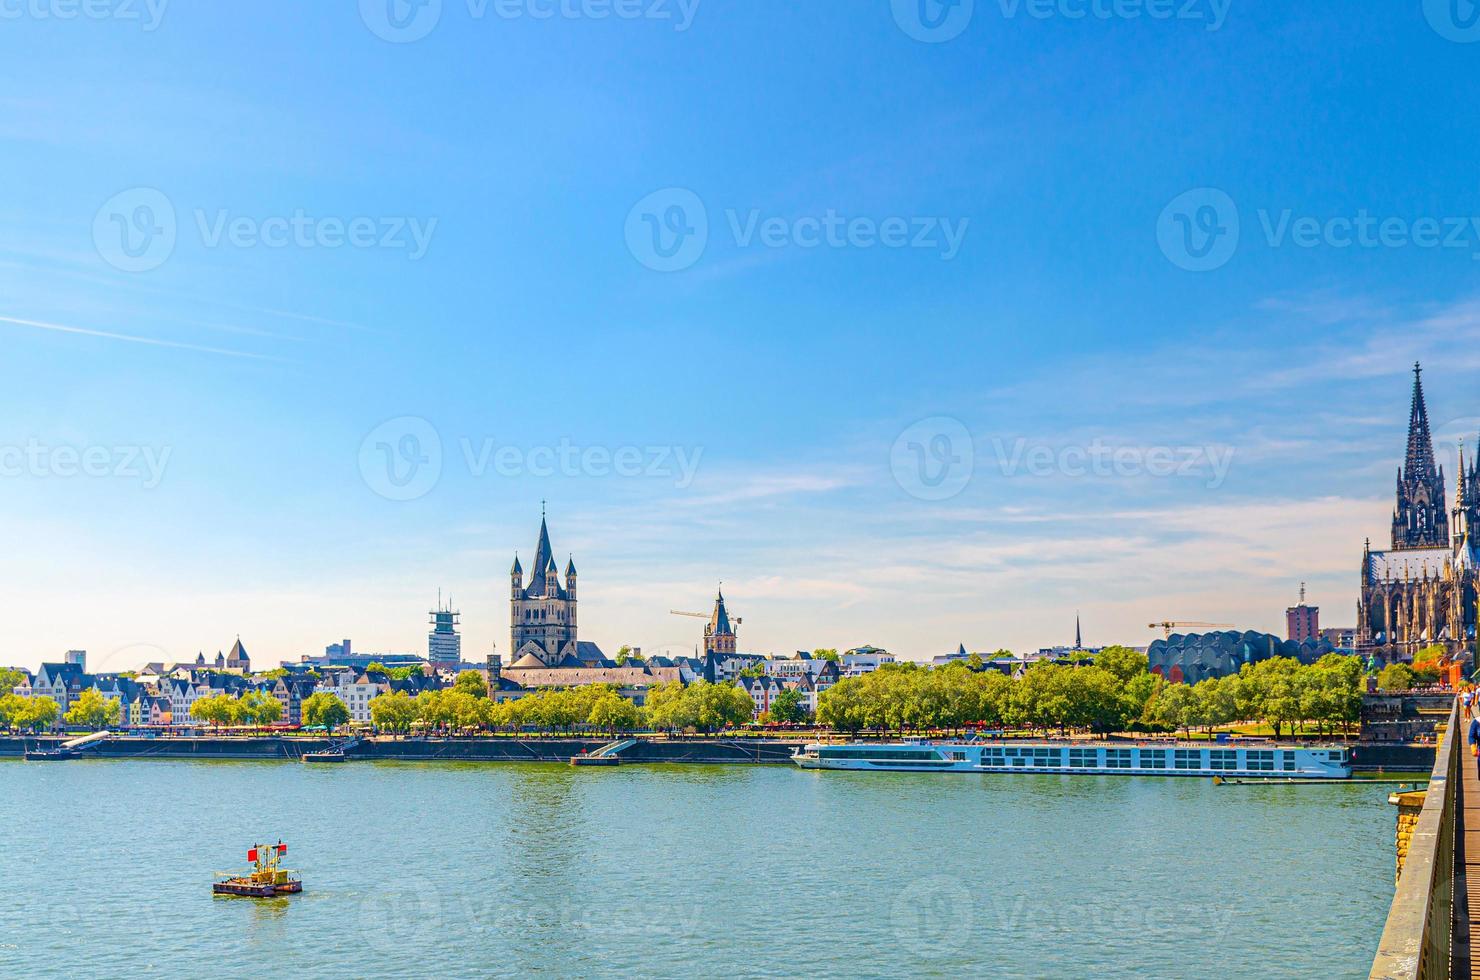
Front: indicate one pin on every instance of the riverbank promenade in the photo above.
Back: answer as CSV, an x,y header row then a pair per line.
x,y
1466,960
1433,926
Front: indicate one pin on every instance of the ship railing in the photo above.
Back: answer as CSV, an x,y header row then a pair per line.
x,y
1416,941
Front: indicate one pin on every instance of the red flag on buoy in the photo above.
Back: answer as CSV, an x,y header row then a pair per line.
x,y
282,848
252,854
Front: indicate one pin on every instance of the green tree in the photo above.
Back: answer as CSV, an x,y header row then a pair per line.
x,y
625,656
436,711
826,653
1276,683
92,710
394,712
1176,707
323,708
1395,677
841,707
789,707
471,682
214,709
259,708
1139,693
11,706
1126,664
38,714
613,713
10,679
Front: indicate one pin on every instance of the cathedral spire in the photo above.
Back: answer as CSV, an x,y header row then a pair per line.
x,y
1419,520
1078,640
1420,458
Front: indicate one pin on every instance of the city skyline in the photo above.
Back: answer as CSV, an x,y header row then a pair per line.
x,y
247,330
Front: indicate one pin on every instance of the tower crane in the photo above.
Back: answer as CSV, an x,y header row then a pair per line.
x,y
737,620
1169,625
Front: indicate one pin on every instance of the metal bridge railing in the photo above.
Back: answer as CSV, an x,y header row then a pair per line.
x,y
1415,942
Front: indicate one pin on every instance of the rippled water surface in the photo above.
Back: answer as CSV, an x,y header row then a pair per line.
x,y
481,870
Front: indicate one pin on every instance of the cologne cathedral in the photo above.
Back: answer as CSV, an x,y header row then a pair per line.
x,y
1423,590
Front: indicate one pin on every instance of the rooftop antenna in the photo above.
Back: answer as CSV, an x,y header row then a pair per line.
x,y
1302,593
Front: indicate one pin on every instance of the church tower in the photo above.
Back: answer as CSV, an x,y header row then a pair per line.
x,y
542,613
719,635
1419,520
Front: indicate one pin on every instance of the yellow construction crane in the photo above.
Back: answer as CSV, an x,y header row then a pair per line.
x,y
1169,626
679,612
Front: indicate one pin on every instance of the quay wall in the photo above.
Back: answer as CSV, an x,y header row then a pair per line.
x,y
1369,756
695,750
1395,757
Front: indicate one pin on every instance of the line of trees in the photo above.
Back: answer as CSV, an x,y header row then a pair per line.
x,y
466,707
1116,693
251,708
28,714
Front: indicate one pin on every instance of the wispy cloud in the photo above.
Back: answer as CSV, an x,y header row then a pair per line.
x,y
131,338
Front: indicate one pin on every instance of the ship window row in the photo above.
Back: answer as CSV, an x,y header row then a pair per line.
x,y
1083,758
1153,758
1117,758
1187,759
1223,759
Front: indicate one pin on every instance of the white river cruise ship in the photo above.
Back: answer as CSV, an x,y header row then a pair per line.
x,y
1265,760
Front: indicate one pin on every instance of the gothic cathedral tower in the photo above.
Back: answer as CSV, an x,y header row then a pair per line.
x,y
1419,520
542,614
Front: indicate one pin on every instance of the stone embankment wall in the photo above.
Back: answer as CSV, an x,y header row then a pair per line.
x,y
692,750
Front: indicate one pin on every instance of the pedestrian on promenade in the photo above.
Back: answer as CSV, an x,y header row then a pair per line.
x,y
1474,736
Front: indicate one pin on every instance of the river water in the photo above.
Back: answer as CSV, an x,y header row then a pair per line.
x,y
455,870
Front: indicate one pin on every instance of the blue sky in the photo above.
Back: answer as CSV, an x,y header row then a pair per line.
x,y
880,436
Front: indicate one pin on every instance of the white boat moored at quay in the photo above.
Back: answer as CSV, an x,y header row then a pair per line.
x,y
1258,760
